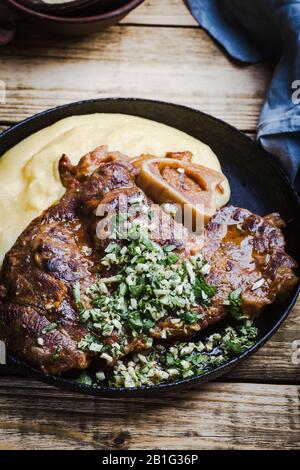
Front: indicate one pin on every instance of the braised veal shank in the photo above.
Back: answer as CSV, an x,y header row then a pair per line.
x,y
61,248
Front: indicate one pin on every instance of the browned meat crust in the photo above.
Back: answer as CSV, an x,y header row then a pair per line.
x,y
248,251
61,247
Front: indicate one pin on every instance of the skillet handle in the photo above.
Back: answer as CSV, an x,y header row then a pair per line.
x,y
7,26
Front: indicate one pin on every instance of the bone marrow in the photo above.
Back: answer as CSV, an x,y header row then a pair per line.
x,y
182,182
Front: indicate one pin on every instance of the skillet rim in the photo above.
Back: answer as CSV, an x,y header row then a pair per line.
x,y
99,390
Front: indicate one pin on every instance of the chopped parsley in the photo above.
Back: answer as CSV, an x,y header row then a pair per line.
x,y
50,327
77,295
56,355
203,291
182,360
84,379
190,317
235,304
150,283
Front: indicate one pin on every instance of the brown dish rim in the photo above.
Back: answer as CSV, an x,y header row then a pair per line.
x,y
79,19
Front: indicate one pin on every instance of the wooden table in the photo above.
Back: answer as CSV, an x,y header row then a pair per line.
x,y
157,52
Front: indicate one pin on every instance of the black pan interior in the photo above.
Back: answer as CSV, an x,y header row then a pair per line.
x,y
256,181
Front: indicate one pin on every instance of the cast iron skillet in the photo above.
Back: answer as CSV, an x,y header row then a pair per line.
x,y
257,184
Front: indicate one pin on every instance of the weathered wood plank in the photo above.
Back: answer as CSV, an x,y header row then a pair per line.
x,y
152,12
179,65
217,416
274,362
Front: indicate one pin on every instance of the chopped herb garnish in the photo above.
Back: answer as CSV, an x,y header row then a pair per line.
x,y
149,284
258,284
169,248
50,327
76,292
235,303
134,321
237,342
137,289
204,292
172,259
84,379
148,324
190,317
56,355
100,376
77,296
183,360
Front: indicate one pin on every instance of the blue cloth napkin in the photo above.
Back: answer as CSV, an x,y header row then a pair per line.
x,y
253,30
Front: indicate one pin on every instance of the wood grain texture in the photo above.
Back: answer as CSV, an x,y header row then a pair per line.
x,y
178,65
217,416
158,12
274,361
